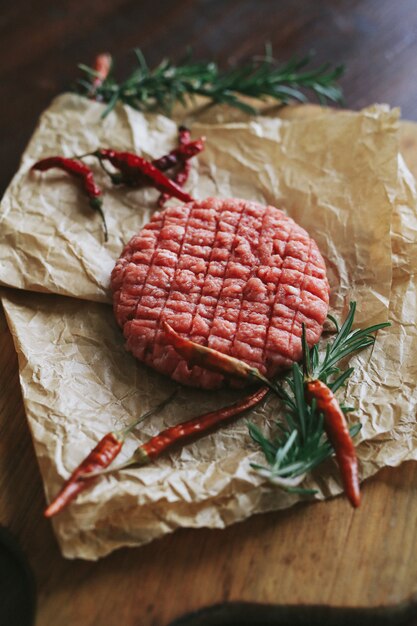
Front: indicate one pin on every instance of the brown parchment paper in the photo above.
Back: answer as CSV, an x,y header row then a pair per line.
x,y
78,383
333,174
341,178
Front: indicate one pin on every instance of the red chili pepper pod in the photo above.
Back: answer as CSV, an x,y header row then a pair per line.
x,y
102,67
71,166
135,168
179,155
181,176
337,431
195,354
181,433
79,170
99,458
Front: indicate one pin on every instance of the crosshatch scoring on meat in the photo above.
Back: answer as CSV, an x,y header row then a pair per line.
x,y
230,274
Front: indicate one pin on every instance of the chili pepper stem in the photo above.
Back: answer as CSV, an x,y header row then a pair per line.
x,y
104,168
97,205
259,377
82,156
156,409
139,458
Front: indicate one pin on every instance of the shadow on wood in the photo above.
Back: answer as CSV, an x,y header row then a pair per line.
x,y
17,585
245,614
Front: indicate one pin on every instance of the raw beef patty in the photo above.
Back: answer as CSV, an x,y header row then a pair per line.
x,y
230,274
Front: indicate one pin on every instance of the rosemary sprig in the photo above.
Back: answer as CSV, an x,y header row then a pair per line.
x,y
261,78
300,443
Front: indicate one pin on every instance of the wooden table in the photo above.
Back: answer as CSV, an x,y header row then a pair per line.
x,y
322,554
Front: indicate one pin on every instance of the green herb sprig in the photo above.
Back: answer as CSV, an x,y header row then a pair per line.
x,y
159,89
300,443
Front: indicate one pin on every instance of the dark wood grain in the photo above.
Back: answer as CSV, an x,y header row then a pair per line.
x,y
40,44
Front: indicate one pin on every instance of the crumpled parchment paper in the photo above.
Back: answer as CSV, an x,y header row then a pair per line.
x,y
333,175
340,176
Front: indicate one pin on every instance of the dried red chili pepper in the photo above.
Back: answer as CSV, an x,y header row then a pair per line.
x,y
337,431
166,162
197,425
184,139
82,172
134,169
181,433
178,155
102,67
99,458
181,176
195,354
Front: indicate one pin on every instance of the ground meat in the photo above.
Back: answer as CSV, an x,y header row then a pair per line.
x,y
230,274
